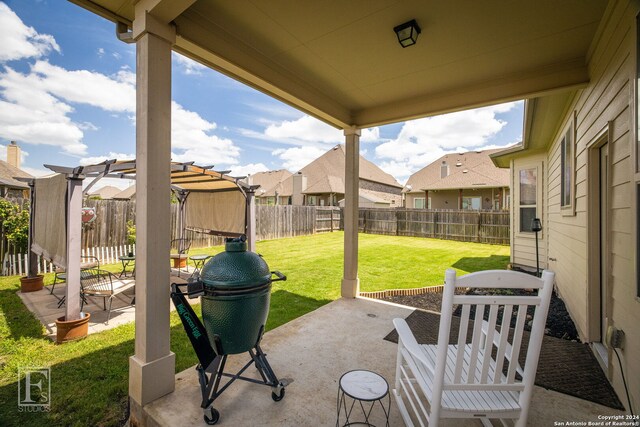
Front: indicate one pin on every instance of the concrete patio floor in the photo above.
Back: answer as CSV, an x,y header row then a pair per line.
x,y
314,351
45,306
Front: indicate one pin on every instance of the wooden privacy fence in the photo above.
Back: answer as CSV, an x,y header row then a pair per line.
x,y
467,226
106,237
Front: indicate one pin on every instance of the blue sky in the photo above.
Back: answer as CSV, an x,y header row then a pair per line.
x,y
67,95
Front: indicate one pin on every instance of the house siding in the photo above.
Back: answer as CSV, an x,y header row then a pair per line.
x,y
448,199
604,108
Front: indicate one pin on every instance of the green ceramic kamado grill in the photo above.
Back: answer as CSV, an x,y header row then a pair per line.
x,y
235,287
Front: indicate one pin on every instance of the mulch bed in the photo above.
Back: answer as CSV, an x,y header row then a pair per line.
x,y
559,323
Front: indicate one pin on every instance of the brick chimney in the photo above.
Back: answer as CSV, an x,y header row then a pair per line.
x,y
13,154
299,185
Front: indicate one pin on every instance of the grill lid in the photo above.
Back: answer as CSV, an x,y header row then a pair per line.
x,y
235,268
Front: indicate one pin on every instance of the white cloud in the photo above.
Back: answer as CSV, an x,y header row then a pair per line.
x,y
248,169
94,160
310,129
422,141
296,158
20,41
191,134
188,65
87,87
100,52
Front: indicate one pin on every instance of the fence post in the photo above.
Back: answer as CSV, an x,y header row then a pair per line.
x,y
479,224
331,218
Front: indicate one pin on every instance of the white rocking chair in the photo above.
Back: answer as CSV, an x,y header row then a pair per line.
x,y
474,378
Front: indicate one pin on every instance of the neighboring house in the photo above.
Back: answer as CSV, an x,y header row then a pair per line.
x,y
321,183
578,170
128,193
9,170
459,181
106,192
271,191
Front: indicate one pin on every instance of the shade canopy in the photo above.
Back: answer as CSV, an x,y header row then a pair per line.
x,y
219,209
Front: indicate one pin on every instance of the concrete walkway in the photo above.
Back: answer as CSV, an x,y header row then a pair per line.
x,y
314,351
45,306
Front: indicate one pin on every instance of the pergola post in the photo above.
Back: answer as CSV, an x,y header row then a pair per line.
x,y
33,258
251,220
152,367
350,282
74,248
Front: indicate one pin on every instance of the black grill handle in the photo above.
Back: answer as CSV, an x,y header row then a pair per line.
x,y
279,275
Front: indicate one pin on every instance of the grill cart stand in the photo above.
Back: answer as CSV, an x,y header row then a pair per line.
x,y
213,359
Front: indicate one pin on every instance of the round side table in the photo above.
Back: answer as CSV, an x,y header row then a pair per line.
x,y
366,388
198,263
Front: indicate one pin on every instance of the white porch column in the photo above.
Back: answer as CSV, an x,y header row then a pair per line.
x,y
152,368
350,282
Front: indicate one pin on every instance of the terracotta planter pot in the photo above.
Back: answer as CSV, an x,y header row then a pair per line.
x,y
73,329
179,262
31,284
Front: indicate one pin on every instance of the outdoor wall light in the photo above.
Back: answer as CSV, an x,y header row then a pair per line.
x,y
536,225
407,33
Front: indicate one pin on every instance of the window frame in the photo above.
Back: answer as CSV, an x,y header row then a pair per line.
x,y
471,198
538,167
415,199
568,139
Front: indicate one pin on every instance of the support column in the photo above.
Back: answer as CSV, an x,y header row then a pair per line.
x,y
251,220
74,248
426,199
350,282
33,258
152,368
460,198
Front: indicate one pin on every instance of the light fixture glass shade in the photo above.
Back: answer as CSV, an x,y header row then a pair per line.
x,y
407,33
536,224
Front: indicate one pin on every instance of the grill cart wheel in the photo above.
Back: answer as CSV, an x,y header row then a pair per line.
x,y
277,397
214,415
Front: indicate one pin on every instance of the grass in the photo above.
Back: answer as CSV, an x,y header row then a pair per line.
x,y
89,378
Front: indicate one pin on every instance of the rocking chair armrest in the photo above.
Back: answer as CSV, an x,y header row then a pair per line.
x,y
408,341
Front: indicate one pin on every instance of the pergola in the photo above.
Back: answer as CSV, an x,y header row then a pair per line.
x,y
341,63
225,206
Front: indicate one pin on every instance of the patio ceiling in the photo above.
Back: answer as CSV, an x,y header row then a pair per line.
x,y
340,61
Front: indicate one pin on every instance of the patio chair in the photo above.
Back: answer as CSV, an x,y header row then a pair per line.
x,y
479,376
180,253
61,274
100,283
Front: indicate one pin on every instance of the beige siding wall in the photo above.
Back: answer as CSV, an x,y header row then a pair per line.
x,y
604,108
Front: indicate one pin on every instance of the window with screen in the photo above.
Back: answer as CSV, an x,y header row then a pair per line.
x,y
418,203
528,179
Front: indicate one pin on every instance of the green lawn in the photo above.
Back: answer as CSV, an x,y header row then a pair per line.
x,y
89,377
